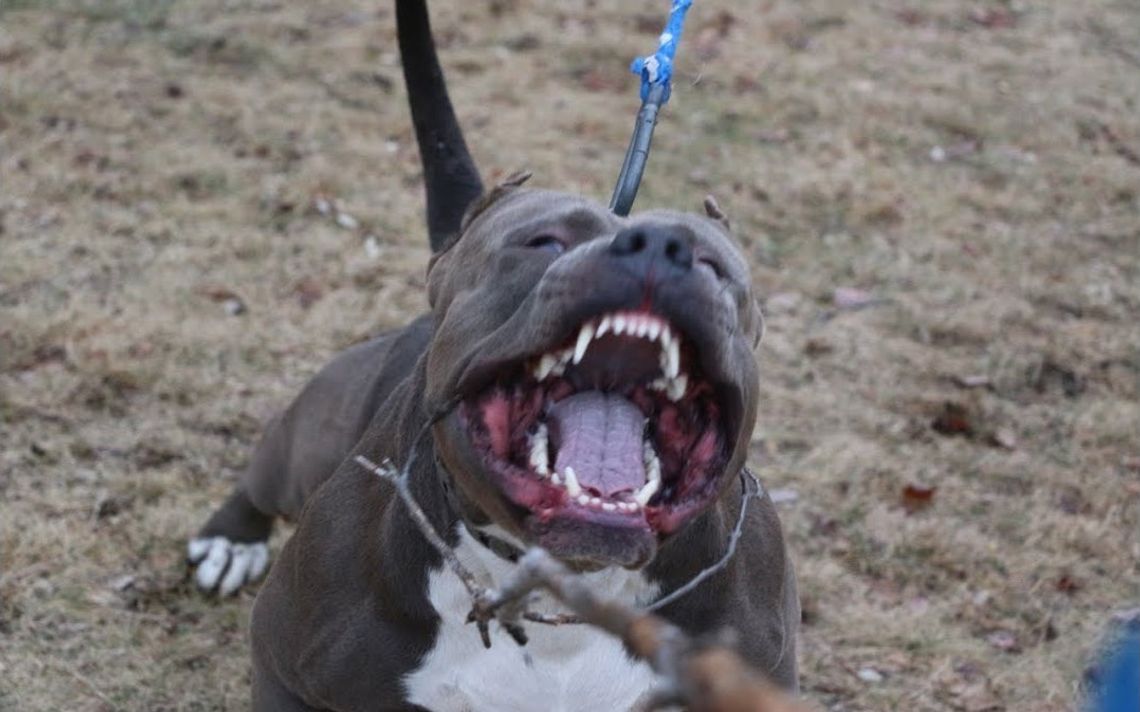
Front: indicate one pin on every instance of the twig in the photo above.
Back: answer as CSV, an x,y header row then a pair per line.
x,y
706,678
400,479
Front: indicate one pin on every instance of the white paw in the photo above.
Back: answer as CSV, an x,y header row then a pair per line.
x,y
226,566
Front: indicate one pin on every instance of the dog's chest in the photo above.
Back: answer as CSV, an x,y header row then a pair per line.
x,y
570,668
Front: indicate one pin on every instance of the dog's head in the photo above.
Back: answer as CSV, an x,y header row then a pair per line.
x,y
601,370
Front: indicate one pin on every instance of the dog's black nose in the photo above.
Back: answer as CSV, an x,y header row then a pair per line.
x,y
653,250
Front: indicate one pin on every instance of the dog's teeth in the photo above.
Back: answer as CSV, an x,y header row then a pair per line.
x,y
677,387
545,366
654,330
564,357
671,359
583,499
604,326
619,324
609,507
596,501
556,479
658,384
643,328
651,461
646,493
538,451
585,336
572,485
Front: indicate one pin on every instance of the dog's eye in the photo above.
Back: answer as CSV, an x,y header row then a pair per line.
x,y
713,266
550,243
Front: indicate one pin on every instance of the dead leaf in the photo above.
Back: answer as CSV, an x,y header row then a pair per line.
x,y
1004,438
977,380
954,419
1004,640
1067,584
993,18
783,496
308,292
917,497
851,298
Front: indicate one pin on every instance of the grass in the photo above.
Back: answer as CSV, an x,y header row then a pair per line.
x,y
974,167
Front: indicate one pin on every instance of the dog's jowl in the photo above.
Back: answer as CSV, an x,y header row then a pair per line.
x,y
584,383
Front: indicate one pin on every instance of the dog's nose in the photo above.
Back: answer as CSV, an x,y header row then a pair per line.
x,y
653,250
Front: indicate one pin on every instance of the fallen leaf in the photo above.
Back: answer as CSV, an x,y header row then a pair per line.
x,y
783,496
1068,584
1004,640
868,674
953,419
993,18
1004,438
308,291
851,298
917,497
977,380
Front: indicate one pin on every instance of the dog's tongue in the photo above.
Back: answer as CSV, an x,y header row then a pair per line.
x,y
599,435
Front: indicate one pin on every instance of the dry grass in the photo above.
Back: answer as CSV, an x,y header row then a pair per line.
x,y
154,155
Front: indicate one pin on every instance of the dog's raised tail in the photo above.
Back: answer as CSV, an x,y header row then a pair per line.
x,y
451,179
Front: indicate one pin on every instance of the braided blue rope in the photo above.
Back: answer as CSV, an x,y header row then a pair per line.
x,y
656,71
657,68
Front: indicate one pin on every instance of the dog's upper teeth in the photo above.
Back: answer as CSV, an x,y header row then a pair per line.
x,y
585,336
654,330
619,324
604,326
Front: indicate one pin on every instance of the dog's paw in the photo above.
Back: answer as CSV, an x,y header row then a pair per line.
x,y
225,566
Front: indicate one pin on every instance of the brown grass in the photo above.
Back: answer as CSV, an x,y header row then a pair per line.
x,y
159,157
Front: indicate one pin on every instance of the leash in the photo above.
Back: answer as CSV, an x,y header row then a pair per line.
x,y
656,71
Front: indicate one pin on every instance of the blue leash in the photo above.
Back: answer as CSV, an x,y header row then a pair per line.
x,y
656,72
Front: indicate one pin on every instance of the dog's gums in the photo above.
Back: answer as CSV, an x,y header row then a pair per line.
x,y
617,426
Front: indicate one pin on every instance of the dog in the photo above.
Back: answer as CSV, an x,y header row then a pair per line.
x,y
583,382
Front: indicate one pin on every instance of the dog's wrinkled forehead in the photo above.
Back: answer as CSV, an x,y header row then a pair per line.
x,y
512,217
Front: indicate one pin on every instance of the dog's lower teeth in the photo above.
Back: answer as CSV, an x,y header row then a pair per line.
x,y
572,485
538,451
583,499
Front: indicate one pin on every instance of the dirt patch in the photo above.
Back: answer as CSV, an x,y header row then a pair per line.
x,y
201,202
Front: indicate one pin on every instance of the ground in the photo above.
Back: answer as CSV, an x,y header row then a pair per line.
x,y
200,202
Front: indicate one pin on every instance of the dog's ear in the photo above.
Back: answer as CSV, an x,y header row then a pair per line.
x,y
488,199
477,207
712,209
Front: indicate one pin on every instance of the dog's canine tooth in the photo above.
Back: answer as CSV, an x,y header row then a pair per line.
x,y
538,451
545,366
572,485
651,461
677,387
603,326
585,336
646,493
672,359
619,324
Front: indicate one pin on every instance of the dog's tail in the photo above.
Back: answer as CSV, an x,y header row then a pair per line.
x,y
450,176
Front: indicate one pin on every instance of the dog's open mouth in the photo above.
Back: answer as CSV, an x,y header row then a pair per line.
x,y
617,427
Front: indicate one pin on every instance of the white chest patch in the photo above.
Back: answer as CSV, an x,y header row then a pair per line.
x,y
570,668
